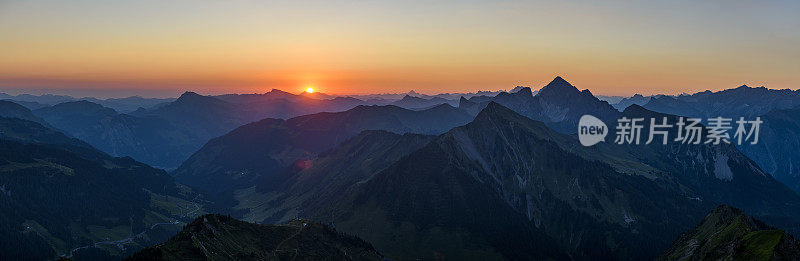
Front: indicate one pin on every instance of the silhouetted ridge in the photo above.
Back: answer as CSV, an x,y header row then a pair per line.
x,y
493,110
558,85
496,113
525,91
13,110
81,105
276,91
411,98
189,95
443,106
635,108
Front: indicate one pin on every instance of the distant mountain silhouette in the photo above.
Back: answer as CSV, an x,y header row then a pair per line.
x,y
637,99
743,101
25,131
168,134
28,104
558,104
267,147
148,139
48,99
412,102
614,99
127,104
517,89
11,109
203,116
74,113
274,94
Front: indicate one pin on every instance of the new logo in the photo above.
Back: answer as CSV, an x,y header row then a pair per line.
x,y
591,130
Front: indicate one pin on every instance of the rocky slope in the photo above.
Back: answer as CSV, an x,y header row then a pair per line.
x,y
508,187
215,237
727,233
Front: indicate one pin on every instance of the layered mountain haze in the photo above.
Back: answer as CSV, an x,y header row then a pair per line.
x,y
153,140
267,147
204,116
45,99
500,177
124,105
167,134
283,105
501,168
743,101
24,131
637,99
61,197
13,110
412,102
399,130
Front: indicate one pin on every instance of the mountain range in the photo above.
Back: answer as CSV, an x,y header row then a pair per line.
x,y
558,104
500,174
267,147
153,140
168,131
125,105
61,197
499,177
776,151
743,101
531,179
13,110
779,142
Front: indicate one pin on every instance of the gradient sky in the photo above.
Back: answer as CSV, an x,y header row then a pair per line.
x,y
164,47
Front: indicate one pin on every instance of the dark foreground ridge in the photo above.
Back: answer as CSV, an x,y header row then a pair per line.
x,y
727,233
217,237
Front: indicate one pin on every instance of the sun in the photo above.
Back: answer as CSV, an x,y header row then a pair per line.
x,y
310,90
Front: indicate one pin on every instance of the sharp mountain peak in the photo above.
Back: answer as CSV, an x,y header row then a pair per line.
x,y
558,86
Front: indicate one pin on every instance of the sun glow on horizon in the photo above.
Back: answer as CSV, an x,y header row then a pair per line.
x,y
310,90
364,47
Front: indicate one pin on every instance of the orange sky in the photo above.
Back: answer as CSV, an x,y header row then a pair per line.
x,y
616,48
